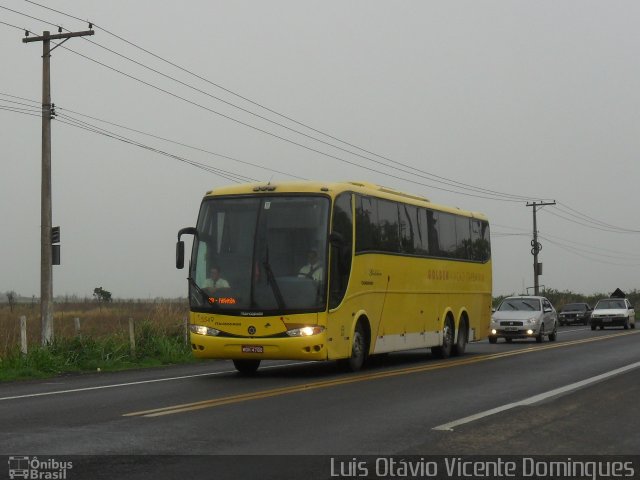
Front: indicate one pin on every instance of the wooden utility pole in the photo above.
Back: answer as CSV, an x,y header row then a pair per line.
x,y
536,246
46,268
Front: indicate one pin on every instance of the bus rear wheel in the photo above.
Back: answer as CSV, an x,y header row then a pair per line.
x,y
247,367
463,338
445,350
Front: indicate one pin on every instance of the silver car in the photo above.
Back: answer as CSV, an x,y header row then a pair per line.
x,y
524,317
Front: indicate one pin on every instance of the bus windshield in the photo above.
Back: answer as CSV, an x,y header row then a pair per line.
x,y
257,255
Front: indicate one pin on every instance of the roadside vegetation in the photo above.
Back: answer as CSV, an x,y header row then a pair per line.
x,y
102,343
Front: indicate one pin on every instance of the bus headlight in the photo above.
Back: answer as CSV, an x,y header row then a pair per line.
x,y
202,330
305,331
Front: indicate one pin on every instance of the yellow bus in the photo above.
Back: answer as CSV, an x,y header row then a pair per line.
x,y
333,271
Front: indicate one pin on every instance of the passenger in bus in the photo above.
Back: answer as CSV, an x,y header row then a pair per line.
x,y
215,281
313,269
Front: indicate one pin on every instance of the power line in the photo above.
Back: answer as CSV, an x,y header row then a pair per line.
x,y
25,15
175,142
594,220
21,110
20,98
588,255
31,107
592,226
340,159
280,137
271,110
616,253
486,193
95,129
67,120
10,25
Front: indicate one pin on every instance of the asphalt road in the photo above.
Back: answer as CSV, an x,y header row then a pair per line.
x,y
502,399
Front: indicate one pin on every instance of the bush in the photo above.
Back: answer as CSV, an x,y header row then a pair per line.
x,y
154,346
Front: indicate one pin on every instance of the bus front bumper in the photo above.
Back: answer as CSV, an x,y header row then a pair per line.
x,y
312,347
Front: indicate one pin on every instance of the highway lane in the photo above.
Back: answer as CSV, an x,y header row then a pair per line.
x,y
394,406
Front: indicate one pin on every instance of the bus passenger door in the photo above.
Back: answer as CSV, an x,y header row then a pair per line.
x,y
341,244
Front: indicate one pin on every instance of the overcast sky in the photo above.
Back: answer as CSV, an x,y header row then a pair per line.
x,y
536,99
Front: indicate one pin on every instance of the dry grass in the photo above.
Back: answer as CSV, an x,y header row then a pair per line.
x,y
97,322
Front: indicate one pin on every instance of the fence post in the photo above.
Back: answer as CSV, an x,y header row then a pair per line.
x,y
76,322
132,337
186,330
23,335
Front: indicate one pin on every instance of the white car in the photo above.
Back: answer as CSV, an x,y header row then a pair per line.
x,y
524,317
613,312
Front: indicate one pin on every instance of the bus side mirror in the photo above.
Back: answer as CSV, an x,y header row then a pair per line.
x,y
180,255
180,245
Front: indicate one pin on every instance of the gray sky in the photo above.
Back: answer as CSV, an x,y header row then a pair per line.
x,y
538,99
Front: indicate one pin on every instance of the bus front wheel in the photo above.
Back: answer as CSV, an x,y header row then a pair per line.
x,y
359,350
246,367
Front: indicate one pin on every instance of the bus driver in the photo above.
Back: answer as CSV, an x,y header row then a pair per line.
x,y
313,269
215,281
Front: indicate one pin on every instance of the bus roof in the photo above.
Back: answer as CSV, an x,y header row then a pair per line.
x,y
334,188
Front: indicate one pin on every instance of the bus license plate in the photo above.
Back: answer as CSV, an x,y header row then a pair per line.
x,y
252,349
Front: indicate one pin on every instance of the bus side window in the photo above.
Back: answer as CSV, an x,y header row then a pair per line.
x,y
421,238
408,228
463,238
367,232
388,226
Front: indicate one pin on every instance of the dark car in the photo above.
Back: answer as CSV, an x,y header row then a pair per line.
x,y
575,313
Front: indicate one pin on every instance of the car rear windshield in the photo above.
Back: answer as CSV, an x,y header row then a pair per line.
x,y
574,307
607,304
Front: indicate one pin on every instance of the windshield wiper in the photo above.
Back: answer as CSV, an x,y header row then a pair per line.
x,y
273,282
202,293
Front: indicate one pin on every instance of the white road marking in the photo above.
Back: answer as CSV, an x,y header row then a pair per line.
x,y
537,398
575,330
168,379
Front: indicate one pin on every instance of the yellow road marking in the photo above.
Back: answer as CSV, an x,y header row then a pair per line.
x,y
215,402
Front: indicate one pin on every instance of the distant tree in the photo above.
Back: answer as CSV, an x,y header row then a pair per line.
x,y
12,297
102,296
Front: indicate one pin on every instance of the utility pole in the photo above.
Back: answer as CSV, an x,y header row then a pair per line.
x,y
46,268
536,246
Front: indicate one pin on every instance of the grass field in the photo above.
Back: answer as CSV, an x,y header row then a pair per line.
x,y
102,341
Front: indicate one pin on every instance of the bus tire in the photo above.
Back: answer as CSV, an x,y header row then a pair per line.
x,y
359,349
463,338
246,367
444,350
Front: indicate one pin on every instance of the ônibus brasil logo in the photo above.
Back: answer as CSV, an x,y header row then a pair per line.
x,y
35,469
